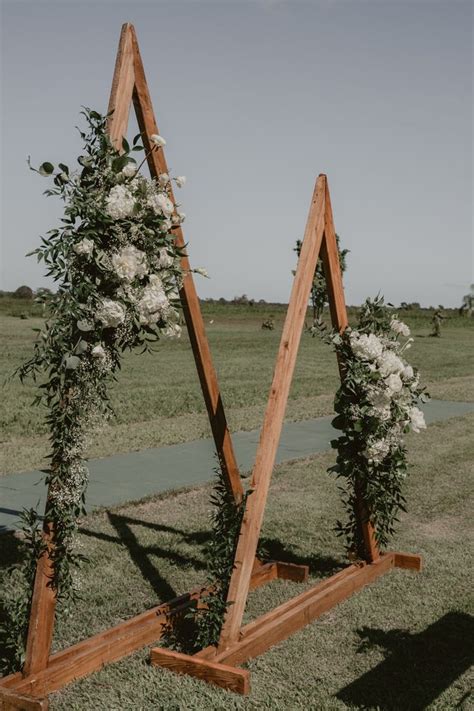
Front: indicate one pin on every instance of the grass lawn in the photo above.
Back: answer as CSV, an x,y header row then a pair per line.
x,y
158,399
403,643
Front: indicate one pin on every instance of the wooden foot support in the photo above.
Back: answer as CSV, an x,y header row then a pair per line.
x,y
228,677
93,653
278,624
14,701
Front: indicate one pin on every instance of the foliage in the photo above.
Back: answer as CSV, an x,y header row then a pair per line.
x,y
375,406
15,597
118,271
319,291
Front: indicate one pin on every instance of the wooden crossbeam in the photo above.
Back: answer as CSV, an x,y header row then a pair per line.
x,y
278,624
91,654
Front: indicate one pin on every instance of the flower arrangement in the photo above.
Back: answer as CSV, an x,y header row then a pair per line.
x,y
118,271
376,406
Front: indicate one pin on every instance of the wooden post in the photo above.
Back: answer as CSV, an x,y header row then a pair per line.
x,y
274,414
337,306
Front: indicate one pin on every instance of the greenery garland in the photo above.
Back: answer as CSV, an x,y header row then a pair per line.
x,y
376,405
118,271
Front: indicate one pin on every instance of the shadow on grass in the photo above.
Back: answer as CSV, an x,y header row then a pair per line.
x,y
418,667
11,551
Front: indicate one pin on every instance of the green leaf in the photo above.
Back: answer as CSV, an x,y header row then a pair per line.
x,y
46,169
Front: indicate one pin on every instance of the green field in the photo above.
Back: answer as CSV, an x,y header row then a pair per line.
x,y
158,399
401,644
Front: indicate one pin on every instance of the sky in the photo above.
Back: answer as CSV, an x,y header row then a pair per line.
x,y
255,99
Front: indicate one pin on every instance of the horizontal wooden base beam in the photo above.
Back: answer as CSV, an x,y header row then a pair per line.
x,y
91,654
278,624
228,677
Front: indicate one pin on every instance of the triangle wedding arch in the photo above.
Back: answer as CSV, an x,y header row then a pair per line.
x,y
44,672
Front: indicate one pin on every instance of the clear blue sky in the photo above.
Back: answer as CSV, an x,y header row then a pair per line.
x,y
255,99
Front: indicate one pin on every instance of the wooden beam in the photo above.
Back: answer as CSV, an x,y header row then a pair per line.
x,y
228,677
189,298
337,306
122,88
13,701
42,613
281,622
112,644
274,414
410,561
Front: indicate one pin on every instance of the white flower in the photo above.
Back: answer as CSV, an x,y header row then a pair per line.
x,y
163,179
110,313
165,261
154,304
366,347
157,140
377,450
120,202
399,327
99,353
394,383
129,170
408,372
85,246
181,215
417,419
389,363
129,263
201,271
166,225
180,180
161,204
172,331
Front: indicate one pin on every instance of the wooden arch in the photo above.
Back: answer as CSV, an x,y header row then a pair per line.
x,y
44,673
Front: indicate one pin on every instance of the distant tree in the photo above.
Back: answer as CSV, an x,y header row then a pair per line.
x,y
23,292
467,303
319,292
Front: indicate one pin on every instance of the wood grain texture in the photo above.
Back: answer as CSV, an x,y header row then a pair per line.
x,y
263,633
189,298
122,88
232,678
410,561
11,700
274,414
42,613
338,310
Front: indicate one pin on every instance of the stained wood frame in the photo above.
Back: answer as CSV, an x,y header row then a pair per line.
x,y
237,644
44,673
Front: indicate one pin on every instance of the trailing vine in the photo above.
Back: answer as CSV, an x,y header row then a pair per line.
x,y
118,270
376,406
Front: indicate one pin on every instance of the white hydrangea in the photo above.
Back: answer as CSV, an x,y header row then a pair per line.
x,y
99,353
129,170
173,330
85,246
377,450
366,347
163,179
165,260
389,363
408,372
161,204
181,216
120,202
180,181
154,303
399,327
129,263
394,383
417,419
110,313
166,225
